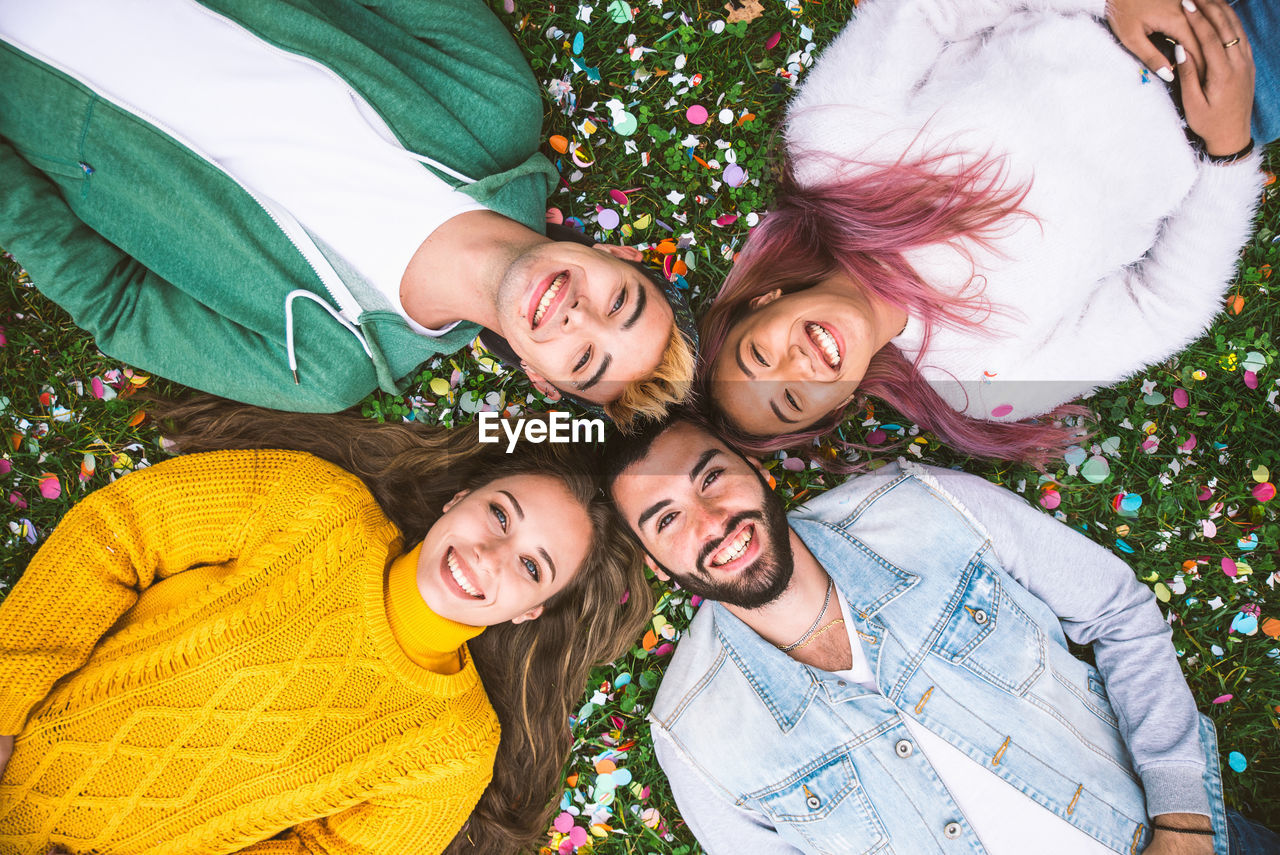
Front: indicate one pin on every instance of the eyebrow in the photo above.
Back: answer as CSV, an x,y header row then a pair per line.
x,y
703,460
777,412
737,354
653,509
550,563
595,378
641,298
519,510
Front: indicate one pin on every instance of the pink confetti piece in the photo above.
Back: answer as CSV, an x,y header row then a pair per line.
x,y
1264,492
1001,411
1251,380
697,114
619,197
1050,499
50,486
1229,567
564,822
1181,399
1189,444
1205,494
726,220
1209,528
772,41
5,466
664,649
15,498
577,836
1222,699
876,437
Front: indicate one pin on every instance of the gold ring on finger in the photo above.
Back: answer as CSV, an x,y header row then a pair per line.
x,y
1231,43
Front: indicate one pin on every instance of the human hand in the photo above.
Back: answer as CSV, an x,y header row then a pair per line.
x,y
1217,88
6,749
1173,843
1133,21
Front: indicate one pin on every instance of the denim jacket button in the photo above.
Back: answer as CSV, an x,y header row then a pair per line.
x,y
813,802
980,617
903,748
951,830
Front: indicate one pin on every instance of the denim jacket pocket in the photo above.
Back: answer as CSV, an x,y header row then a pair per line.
x,y
990,634
824,802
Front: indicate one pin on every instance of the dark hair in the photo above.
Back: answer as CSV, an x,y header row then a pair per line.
x,y
623,450
533,672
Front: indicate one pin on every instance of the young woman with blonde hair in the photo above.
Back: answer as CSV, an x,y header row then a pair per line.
x,y
372,647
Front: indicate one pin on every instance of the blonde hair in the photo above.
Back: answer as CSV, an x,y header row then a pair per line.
x,y
669,384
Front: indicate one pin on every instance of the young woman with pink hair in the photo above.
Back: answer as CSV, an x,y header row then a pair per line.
x,y
989,209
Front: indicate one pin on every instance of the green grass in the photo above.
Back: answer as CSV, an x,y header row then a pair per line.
x,y
1237,428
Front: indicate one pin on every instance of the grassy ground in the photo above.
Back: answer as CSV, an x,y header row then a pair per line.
x,y
1202,538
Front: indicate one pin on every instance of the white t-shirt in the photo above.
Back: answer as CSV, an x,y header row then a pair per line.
x,y
285,127
1003,818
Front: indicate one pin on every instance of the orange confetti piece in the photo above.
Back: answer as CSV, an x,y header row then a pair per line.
x,y
15,439
559,143
605,765
137,418
1235,303
1270,179
700,160
649,641
1271,627
746,117
667,246
572,780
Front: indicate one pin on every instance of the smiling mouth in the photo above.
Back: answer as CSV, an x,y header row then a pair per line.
x,y
734,549
548,297
825,342
459,577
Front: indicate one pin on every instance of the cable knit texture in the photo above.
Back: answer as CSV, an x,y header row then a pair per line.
x,y
1131,239
200,660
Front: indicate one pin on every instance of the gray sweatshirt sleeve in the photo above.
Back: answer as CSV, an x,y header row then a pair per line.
x,y
1100,602
721,827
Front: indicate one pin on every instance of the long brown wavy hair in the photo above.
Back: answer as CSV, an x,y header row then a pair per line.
x,y
533,672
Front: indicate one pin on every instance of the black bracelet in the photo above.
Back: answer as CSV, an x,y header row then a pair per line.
x,y
1160,827
1230,158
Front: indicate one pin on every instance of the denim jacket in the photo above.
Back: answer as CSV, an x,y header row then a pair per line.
x,y
955,643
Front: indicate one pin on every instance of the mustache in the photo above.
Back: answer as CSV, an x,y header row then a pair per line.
x,y
734,521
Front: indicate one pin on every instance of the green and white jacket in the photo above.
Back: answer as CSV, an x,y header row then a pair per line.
x,y
178,269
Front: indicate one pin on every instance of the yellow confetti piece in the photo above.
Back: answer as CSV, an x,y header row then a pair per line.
x,y
1262,474
439,386
643,222
1122,530
1162,592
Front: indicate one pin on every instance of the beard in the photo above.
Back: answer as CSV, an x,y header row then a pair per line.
x,y
765,579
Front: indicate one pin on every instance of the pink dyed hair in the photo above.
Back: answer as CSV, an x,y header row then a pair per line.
x,y
862,226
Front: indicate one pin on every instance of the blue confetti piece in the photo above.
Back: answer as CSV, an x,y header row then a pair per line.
x,y
1122,546
1237,761
578,43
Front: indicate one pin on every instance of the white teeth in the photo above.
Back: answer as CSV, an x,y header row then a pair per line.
x,y
459,577
734,550
826,341
547,297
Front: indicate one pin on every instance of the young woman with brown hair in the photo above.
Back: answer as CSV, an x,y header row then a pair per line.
x,y
261,651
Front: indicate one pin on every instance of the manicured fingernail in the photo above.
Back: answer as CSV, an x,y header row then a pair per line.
x,y
1179,54
1165,74
1188,5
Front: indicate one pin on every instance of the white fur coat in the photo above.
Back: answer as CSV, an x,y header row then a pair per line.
x,y
1132,238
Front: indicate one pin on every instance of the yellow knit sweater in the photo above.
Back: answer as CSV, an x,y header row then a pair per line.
x,y
218,654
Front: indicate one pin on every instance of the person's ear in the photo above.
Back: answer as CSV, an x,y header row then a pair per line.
x,y
542,384
655,569
626,253
533,614
457,497
765,299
